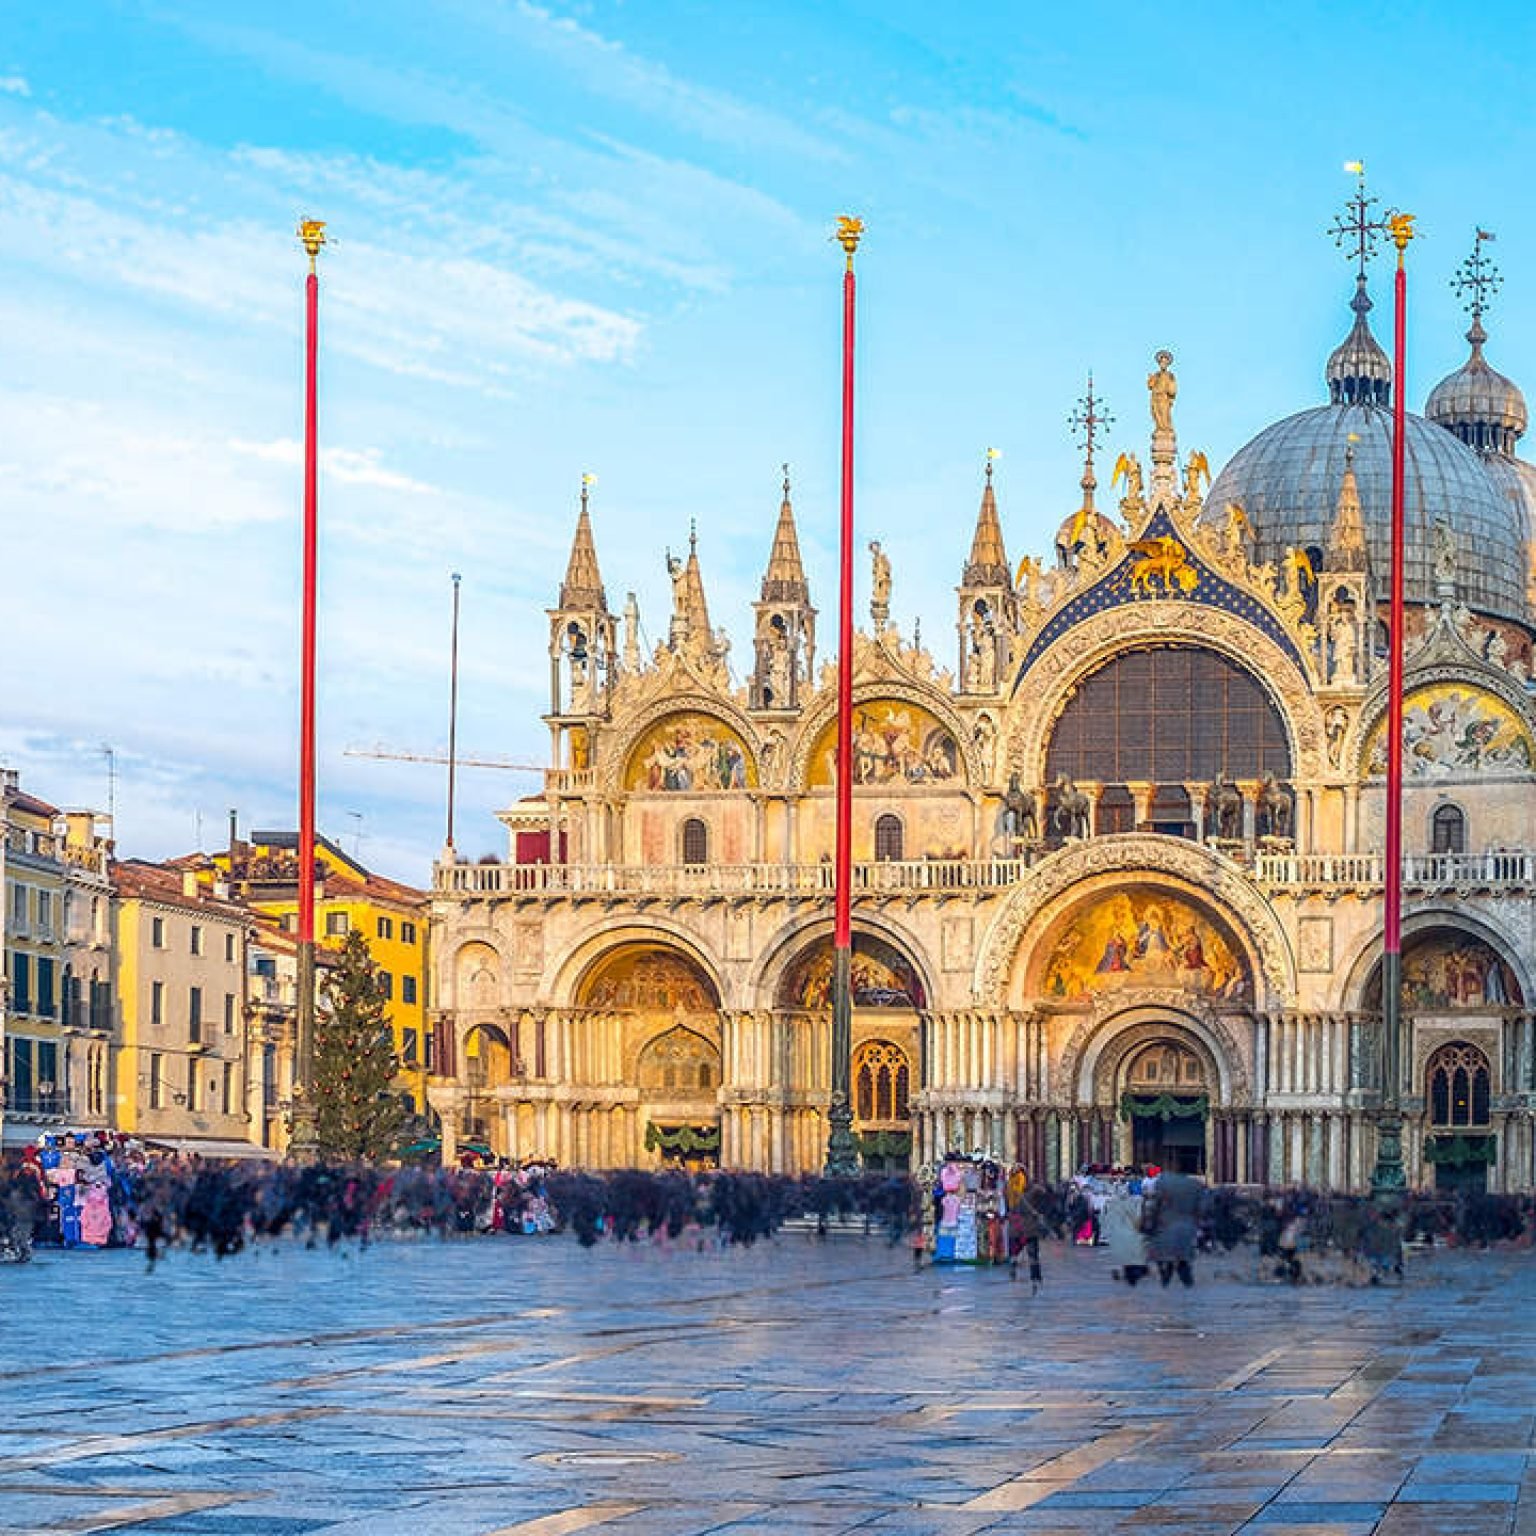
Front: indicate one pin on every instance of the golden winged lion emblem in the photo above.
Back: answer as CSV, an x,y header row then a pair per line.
x,y
1163,560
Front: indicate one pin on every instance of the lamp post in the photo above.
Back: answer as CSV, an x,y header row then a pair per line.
x,y
303,1138
842,1154
1387,1176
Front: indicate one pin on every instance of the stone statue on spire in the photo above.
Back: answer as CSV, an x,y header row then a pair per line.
x,y
1163,388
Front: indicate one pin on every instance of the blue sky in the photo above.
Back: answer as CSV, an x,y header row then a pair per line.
x,y
595,238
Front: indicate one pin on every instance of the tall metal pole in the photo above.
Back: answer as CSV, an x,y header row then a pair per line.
x,y
303,1137
453,713
842,1154
1388,1173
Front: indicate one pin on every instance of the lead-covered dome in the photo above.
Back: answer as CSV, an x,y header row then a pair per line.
x,y
1287,481
1482,407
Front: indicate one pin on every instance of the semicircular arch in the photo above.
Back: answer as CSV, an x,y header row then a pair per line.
x,y
1104,867
1096,1055
1057,674
803,941
1457,722
586,955
693,713
807,747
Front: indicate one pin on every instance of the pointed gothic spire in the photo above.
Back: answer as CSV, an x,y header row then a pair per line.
x,y
784,580
583,584
988,565
1346,539
693,578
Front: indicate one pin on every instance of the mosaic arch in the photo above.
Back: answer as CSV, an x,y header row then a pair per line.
x,y
881,977
680,1064
894,742
477,976
1444,970
1135,937
688,753
647,979
1451,730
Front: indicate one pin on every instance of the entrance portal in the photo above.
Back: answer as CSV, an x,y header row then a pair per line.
x,y
1167,1101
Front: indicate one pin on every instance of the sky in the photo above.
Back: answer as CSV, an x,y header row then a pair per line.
x,y
594,238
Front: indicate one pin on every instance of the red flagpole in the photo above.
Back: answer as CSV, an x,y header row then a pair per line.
x,y
842,1157
1388,1173
303,1135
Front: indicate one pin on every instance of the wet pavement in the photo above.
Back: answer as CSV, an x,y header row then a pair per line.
x,y
525,1386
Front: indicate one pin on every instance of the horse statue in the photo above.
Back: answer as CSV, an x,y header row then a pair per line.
x,y
1072,809
1274,807
1020,820
1226,802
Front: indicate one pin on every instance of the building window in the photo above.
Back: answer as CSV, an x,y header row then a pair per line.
x,y
157,932
21,982
18,908
227,1090
1458,1086
882,1080
193,1101
407,989
386,984
45,997
195,1015
156,1081
695,841
408,1048
196,937
229,947
407,933
889,840
157,1002
229,1013
45,914
1448,830
336,925
385,928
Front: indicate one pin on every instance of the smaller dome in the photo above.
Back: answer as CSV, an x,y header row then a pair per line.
x,y
1081,527
1360,372
1482,407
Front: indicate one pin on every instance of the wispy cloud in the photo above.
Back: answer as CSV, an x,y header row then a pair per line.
x,y
350,466
14,85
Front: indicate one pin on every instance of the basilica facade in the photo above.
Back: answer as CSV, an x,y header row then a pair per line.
x,y
1118,874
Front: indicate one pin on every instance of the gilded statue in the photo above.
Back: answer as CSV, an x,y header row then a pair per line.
x,y
1163,388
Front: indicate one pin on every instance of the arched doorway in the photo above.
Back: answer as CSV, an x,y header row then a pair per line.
x,y
888,996
1458,1140
488,1066
679,1073
1166,1098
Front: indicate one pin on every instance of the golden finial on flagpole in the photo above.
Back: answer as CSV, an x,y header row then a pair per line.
x,y
849,230
312,237
1401,225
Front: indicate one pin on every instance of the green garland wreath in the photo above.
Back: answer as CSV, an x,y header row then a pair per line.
x,y
1459,1151
1164,1106
885,1144
682,1140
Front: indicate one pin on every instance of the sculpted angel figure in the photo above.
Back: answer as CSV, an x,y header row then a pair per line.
x,y
880,578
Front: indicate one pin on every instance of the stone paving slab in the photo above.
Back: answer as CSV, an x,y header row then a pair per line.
x,y
514,1387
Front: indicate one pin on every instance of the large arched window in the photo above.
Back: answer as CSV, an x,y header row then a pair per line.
x,y
889,841
1448,830
1173,715
1457,1084
695,841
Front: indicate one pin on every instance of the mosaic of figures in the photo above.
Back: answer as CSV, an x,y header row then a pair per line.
x,y
1138,938
690,752
1453,730
893,743
1456,971
652,980
880,977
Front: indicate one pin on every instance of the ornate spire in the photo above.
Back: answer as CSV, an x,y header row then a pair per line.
x,y
1359,371
1087,420
1346,539
1483,408
583,584
784,580
988,565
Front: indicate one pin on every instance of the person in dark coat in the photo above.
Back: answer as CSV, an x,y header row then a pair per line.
x,y
1171,1216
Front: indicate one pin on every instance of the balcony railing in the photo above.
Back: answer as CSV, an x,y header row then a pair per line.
x,y
1504,870
723,879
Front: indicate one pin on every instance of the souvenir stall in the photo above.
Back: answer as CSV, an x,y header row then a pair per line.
x,y
965,1210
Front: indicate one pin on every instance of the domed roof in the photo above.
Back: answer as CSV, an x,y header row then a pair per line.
x,y
1515,483
1287,480
1483,408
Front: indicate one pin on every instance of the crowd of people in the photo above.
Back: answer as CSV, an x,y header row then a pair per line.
x,y
102,1190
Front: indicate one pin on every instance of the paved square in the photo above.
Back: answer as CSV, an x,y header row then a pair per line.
x,y
524,1386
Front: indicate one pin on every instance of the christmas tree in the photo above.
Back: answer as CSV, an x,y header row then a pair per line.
x,y
357,1113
